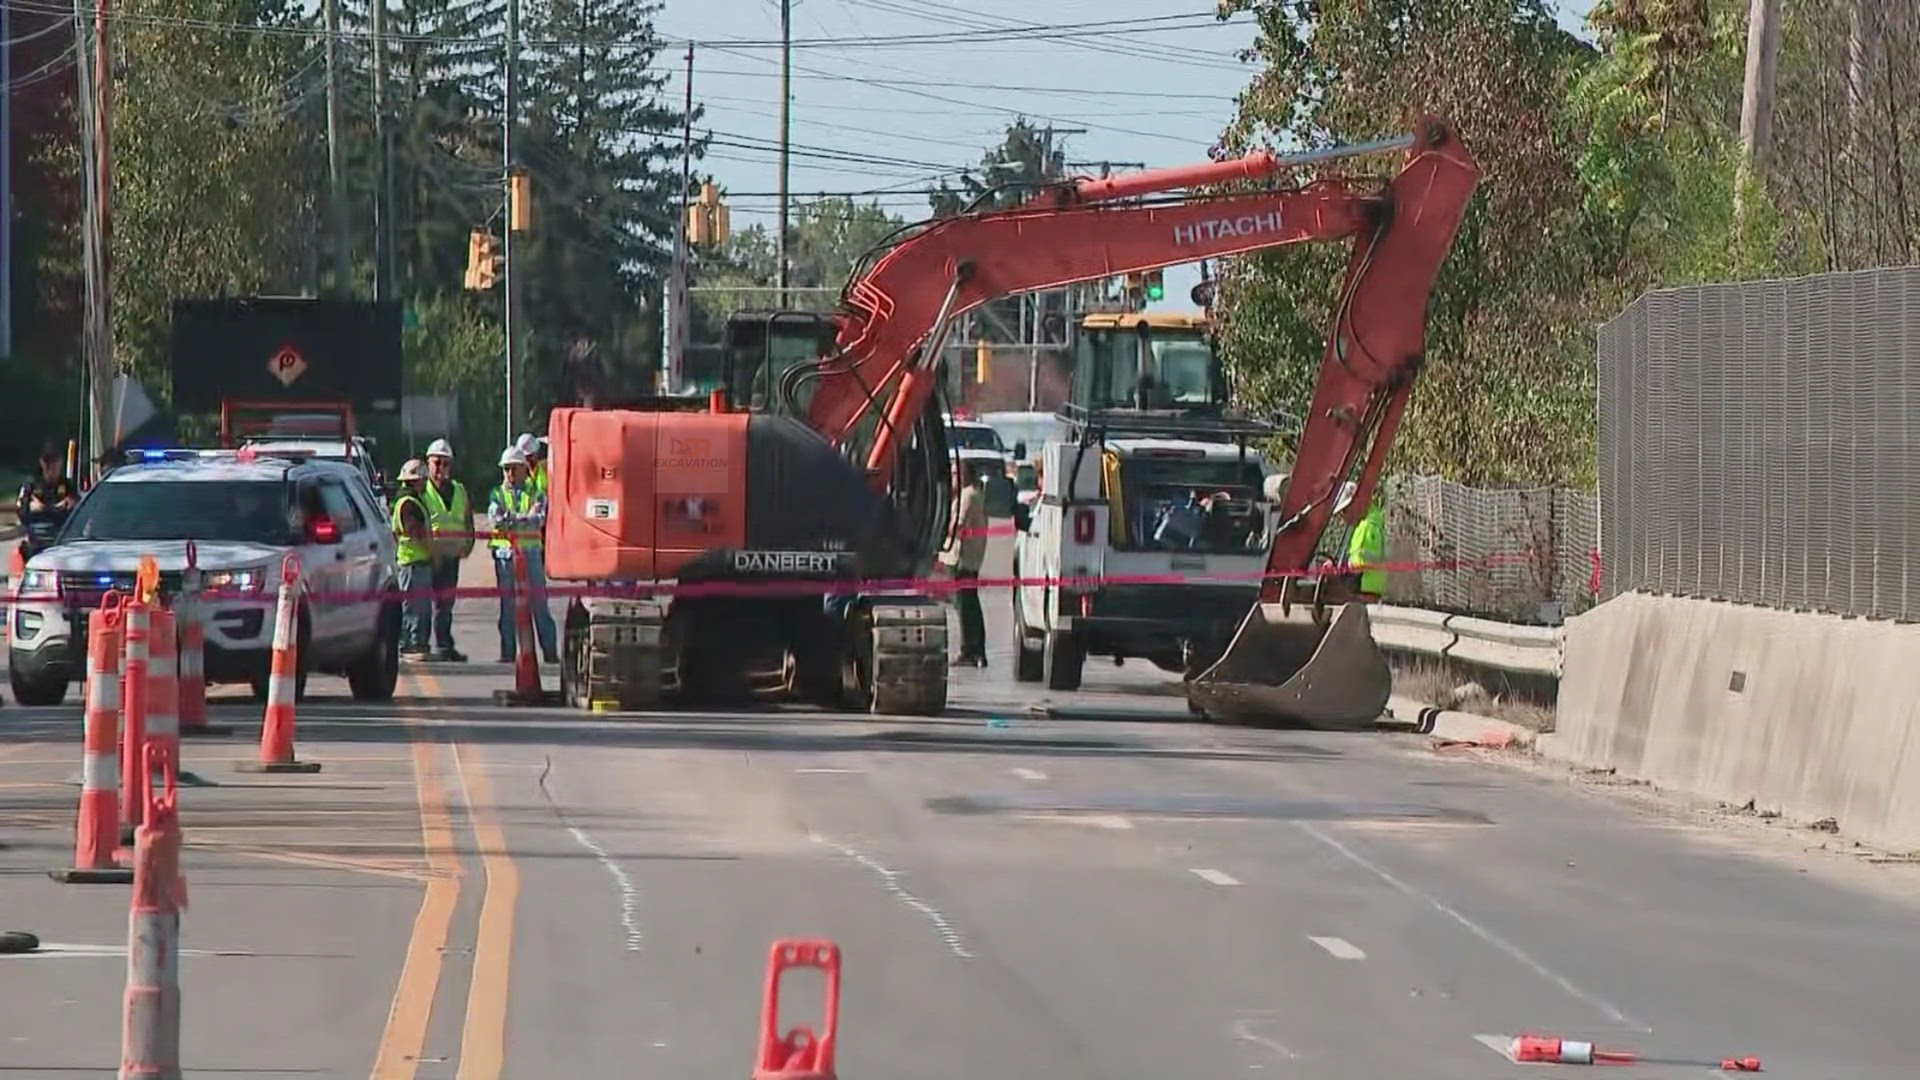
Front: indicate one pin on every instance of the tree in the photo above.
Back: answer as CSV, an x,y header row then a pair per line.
x,y
1506,392
606,191
209,166
1027,157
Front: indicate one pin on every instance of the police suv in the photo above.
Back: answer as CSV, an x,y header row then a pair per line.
x,y
244,512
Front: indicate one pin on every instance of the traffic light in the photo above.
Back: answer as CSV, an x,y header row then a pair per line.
x,y
519,201
1135,290
707,219
982,363
483,260
1156,289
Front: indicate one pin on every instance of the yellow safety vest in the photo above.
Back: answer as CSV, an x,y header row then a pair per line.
x,y
448,520
1368,547
517,503
537,480
411,552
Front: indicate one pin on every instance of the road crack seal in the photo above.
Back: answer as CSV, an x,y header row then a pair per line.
x,y
629,893
891,880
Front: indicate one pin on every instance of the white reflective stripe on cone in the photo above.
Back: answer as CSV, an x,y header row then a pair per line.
x,y
100,771
280,689
283,621
1575,1053
103,692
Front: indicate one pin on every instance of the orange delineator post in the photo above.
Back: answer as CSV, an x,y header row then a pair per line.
x,y
136,616
163,681
1553,1050
283,682
97,829
800,1054
191,612
150,1030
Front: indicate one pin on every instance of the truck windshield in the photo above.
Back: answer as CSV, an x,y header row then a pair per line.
x,y
251,511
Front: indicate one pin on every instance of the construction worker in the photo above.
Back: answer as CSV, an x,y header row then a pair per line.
x,y
450,518
1367,550
517,514
536,450
963,557
414,534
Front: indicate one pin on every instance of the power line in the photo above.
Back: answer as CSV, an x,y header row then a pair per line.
x,y
653,43
913,91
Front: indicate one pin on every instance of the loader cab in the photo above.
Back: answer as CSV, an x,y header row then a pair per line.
x,y
762,346
1148,360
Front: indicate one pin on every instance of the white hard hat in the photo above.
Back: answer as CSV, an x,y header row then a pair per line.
x,y
526,443
512,455
414,469
440,448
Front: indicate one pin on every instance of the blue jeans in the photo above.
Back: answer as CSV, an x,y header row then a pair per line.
x,y
542,618
416,605
446,582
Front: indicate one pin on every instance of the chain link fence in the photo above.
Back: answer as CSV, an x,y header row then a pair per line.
x,y
1758,443
1525,555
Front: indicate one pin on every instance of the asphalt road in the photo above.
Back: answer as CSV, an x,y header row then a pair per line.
x,y
475,892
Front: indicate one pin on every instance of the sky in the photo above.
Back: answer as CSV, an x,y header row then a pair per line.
x,y
1149,96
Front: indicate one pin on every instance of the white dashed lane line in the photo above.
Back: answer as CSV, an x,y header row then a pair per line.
x,y
1028,774
1215,877
1340,948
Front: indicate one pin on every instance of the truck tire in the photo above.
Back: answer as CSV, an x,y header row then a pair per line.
x,y
1062,660
374,676
1029,662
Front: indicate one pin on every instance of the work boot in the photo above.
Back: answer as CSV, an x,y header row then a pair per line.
x,y
451,656
415,653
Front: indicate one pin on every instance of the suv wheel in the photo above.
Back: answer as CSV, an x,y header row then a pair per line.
x,y
375,674
37,690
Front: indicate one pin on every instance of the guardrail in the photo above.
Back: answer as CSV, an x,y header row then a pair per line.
x,y
1523,650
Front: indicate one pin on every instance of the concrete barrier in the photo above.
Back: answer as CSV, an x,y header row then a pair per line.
x,y
1814,716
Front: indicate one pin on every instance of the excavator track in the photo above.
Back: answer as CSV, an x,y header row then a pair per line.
x,y
906,656
613,653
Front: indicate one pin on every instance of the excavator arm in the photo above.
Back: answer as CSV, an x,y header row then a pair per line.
x,y
897,313
1304,653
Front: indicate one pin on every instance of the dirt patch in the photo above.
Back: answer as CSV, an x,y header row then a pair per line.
x,y
1435,685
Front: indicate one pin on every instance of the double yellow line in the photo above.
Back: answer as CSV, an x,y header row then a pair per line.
x,y
483,1033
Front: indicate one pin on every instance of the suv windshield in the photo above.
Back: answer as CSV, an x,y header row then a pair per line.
x,y
253,511
975,438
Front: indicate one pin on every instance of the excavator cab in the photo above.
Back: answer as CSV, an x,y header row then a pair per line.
x,y
762,346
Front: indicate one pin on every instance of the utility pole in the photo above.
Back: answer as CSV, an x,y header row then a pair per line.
x,y
786,124
383,269
677,306
509,103
336,156
6,181
92,103
1756,104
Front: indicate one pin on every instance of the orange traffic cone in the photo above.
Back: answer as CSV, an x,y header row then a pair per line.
x,y
276,734
526,666
97,833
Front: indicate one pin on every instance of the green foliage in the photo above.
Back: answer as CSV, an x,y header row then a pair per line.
x,y
457,349
1029,156
1605,171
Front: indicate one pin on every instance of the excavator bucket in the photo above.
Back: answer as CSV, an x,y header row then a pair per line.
x,y
1286,670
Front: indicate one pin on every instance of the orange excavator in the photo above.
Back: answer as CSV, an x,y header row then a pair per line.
x,y
772,537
